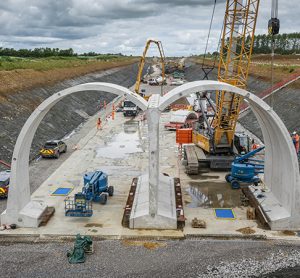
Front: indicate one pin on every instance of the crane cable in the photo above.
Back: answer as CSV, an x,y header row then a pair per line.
x,y
272,69
273,29
208,37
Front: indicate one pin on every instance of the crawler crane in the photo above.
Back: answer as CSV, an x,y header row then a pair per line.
x,y
215,140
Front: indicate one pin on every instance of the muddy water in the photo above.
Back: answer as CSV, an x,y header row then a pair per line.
x,y
122,144
210,194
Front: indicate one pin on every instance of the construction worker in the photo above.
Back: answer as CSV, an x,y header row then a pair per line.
x,y
295,138
99,123
254,146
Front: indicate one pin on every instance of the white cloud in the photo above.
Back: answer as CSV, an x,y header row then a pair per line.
x,y
124,25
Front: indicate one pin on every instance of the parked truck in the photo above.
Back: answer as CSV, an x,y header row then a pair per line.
x,y
4,183
129,109
53,148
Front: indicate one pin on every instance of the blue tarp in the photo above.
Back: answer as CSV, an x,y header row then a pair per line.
x,y
63,191
225,213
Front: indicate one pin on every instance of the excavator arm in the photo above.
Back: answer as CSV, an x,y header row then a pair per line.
x,y
142,63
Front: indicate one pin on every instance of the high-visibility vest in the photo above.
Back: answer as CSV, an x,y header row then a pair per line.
x,y
296,138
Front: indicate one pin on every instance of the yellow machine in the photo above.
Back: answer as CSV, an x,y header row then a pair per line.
x,y
235,57
181,65
217,139
142,64
174,65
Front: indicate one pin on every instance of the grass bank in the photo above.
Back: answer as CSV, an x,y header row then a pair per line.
x,y
42,64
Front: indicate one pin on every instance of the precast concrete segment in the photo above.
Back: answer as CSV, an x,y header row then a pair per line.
x,y
282,203
154,204
19,191
165,217
153,115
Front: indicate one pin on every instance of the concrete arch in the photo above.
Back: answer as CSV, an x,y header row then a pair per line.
x,y
20,209
282,203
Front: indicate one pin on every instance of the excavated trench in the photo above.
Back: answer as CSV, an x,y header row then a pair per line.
x,y
64,117
76,109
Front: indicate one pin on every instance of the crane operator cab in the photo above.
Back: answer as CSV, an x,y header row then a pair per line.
x,y
241,143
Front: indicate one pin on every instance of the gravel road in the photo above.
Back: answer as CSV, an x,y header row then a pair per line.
x,y
185,258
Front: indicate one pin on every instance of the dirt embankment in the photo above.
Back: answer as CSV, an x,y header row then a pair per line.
x,y
65,116
26,79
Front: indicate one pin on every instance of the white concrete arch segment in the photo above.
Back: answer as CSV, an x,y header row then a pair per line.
x,y
282,203
20,210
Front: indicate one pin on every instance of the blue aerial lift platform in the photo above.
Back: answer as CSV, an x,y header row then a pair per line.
x,y
245,169
95,189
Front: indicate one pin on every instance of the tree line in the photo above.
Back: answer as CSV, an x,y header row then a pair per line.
x,y
37,52
283,43
49,52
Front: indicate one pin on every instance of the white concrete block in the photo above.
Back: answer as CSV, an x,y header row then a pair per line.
x,y
165,217
29,216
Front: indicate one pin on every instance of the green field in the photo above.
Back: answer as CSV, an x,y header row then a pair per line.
x,y
43,64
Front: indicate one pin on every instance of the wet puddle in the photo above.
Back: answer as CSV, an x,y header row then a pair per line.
x,y
122,144
204,177
213,195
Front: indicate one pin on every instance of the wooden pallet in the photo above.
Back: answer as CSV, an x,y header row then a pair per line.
x,y
179,204
46,215
192,160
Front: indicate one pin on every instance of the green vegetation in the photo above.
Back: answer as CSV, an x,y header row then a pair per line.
x,y
53,52
284,44
41,64
51,58
37,52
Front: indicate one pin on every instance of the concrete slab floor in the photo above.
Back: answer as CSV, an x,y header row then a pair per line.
x,y
121,150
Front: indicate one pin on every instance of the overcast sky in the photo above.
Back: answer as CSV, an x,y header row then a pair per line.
x,y
113,26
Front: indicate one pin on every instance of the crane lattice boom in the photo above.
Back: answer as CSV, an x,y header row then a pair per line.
x,y
235,56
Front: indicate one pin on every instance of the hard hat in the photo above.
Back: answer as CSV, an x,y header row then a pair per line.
x,y
294,132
